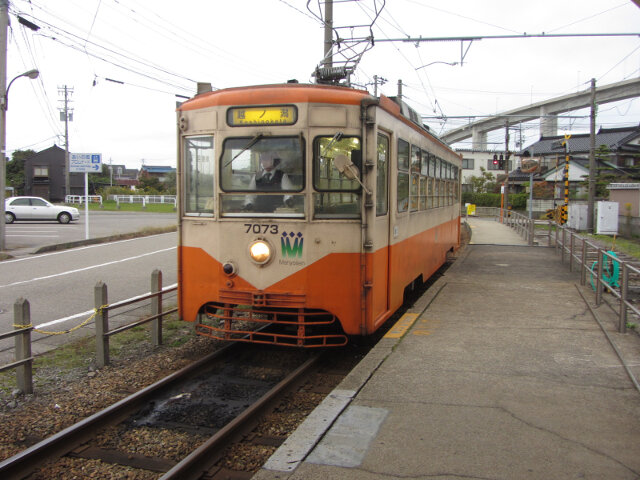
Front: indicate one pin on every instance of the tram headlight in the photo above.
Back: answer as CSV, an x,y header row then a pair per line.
x,y
260,251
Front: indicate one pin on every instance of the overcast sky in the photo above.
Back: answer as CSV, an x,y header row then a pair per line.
x,y
159,48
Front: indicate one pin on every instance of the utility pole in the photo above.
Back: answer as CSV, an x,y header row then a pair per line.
x,y
377,81
592,160
506,168
328,34
4,25
66,115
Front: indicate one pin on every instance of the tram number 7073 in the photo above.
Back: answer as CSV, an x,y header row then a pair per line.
x,y
259,228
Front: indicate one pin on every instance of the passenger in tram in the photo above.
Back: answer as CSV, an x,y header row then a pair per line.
x,y
269,178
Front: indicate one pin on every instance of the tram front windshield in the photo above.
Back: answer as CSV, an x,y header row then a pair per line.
x,y
261,175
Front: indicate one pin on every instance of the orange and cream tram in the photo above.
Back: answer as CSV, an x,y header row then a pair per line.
x,y
309,208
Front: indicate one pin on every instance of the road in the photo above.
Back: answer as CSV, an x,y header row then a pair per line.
x,y
23,237
61,284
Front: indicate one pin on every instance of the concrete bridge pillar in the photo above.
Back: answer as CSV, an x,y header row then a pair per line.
x,y
479,138
548,123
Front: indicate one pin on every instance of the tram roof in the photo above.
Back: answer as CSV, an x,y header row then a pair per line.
x,y
270,94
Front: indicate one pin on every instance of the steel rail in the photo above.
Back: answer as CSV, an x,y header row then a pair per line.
x,y
204,457
57,445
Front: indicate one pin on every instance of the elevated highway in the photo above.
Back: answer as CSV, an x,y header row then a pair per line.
x,y
546,111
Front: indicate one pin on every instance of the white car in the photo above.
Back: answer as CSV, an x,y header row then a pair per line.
x,y
36,208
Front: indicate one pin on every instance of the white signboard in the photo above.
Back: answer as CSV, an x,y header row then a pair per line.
x,y
85,162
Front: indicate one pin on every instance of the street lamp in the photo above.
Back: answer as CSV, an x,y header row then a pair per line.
x,y
4,103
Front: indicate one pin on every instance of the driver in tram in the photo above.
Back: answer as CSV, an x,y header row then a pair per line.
x,y
270,178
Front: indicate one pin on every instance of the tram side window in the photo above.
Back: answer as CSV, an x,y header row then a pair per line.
x,y
198,175
382,202
336,196
415,177
403,175
456,185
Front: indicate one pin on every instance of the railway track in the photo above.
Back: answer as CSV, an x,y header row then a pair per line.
x,y
187,423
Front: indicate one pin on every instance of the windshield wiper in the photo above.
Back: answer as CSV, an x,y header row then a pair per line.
x,y
251,143
336,138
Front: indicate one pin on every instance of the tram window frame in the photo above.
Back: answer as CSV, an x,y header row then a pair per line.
x,y
343,202
248,139
403,180
208,207
242,199
424,166
414,186
356,187
382,175
422,196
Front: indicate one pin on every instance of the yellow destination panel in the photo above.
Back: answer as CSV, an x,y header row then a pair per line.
x,y
272,115
402,325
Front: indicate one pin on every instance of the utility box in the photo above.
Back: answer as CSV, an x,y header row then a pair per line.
x,y
607,218
578,216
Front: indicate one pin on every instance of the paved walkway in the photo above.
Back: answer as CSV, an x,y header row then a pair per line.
x,y
503,373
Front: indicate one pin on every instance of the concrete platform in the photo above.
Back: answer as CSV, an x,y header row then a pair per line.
x,y
502,373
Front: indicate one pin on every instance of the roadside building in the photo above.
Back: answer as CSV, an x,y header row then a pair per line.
x,y
473,160
159,172
44,176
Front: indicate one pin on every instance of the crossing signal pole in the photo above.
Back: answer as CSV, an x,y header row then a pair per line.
x,y
565,207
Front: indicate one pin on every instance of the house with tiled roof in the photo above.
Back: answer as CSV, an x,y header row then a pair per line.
x,y
622,143
623,159
159,171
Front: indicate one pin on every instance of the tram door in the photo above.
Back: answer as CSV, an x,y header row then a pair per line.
x,y
381,256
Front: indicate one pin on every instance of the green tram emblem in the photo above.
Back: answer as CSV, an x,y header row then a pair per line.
x,y
291,244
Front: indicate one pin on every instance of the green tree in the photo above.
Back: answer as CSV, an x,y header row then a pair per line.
x,y
170,184
150,185
485,183
604,173
15,170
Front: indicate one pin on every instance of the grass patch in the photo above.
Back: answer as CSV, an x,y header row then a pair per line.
x,y
111,205
627,246
78,356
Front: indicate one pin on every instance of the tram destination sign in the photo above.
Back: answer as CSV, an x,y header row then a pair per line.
x,y
85,162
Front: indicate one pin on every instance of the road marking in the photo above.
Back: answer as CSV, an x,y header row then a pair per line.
x,y
69,272
76,249
402,325
36,235
89,312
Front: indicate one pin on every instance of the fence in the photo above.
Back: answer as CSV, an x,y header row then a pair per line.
x,y
22,327
80,199
144,199
620,277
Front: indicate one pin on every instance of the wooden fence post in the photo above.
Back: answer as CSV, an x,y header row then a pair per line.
x,y
102,324
22,320
156,307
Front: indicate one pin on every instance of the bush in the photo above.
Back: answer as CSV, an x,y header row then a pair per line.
x,y
518,201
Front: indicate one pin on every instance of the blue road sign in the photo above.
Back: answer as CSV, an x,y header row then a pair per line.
x,y
85,162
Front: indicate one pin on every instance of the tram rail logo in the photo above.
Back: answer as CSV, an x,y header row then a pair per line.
x,y
291,244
